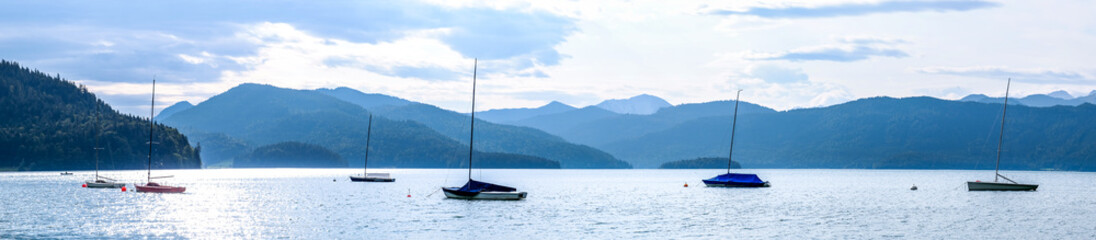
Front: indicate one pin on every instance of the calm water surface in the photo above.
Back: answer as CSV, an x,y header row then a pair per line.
x,y
562,204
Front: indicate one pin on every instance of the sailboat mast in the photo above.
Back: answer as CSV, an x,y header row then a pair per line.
x,y
1001,138
368,136
151,124
734,124
472,128
98,131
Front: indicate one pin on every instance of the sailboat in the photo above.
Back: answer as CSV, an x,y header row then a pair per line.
x,y
100,181
366,176
735,179
476,190
150,186
996,185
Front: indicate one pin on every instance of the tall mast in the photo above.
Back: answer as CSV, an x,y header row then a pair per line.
x,y
734,123
1001,138
98,131
151,124
368,134
471,133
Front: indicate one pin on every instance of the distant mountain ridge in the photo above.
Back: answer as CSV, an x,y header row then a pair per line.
x,y
882,132
173,109
642,104
597,127
1037,100
515,114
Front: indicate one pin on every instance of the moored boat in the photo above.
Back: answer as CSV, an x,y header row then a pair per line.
x,y
366,176
476,190
735,179
483,191
373,177
150,186
995,185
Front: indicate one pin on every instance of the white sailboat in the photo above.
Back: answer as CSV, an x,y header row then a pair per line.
x,y
366,176
476,190
100,181
996,185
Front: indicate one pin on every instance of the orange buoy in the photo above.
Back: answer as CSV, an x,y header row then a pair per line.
x,y
84,185
123,188
686,184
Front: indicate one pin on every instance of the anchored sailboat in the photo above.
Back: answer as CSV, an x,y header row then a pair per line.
x,y
366,176
150,186
995,185
735,179
473,189
100,181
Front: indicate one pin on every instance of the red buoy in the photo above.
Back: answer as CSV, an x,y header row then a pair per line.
x,y
84,185
123,188
686,184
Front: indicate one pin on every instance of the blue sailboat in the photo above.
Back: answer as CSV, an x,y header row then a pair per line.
x,y
476,190
735,179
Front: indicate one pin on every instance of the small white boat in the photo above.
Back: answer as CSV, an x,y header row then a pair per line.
x,y
100,181
103,183
373,177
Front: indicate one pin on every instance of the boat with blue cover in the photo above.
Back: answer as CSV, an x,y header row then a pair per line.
x,y
735,179
476,190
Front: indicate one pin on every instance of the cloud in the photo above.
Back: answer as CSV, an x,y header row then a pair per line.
x,y
198,40
1026,75
851,49
785,88
776,74
858,9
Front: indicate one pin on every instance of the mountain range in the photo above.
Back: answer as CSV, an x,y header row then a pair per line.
x,y
405,134
1057,98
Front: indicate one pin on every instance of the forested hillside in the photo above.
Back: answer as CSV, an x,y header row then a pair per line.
x,y
49,123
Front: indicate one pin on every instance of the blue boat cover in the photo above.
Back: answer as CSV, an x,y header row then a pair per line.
x,y
477,186
737,178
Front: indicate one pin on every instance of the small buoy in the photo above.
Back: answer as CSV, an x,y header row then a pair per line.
x,y
84,185
686,184
333,180
914,188
123,188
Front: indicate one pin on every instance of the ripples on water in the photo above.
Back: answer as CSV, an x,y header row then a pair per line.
x,y
562,204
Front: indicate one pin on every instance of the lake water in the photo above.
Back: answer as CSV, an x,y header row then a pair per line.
x,y
562,204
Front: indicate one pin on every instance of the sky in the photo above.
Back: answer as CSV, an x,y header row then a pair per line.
x,y
782,54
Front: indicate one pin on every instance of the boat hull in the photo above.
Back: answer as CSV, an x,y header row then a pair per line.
x,y
735,184
484,195
996,186
371,179
94,184
149,188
